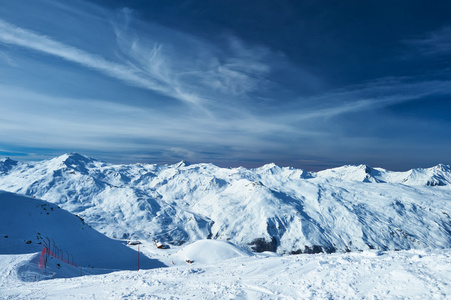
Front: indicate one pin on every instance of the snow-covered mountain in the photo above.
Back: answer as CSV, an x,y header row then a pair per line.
x,y
268,208
439,175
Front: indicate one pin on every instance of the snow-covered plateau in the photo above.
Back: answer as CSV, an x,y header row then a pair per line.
x,y
223,233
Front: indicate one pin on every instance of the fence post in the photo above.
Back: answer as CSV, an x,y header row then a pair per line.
x,y
45,260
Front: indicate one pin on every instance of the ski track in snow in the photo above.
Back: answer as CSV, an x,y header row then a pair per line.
x,y
410,274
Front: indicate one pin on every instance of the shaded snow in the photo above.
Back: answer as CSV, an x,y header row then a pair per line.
x,y
26,224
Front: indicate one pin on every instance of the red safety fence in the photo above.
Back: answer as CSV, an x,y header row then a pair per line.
x,y
47,251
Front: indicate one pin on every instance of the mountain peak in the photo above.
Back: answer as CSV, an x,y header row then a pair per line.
x,y
366,168
7,164
269,166
8,161
73,156
74,161
442,167
182,163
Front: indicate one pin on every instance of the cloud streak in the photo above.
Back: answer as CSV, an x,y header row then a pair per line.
x,y
37,120
191,66
182,67
435,43
14,35
370,96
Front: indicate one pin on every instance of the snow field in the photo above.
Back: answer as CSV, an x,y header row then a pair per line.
x,y
414,274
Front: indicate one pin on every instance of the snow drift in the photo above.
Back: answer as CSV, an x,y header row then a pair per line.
x,y
209,252
270,208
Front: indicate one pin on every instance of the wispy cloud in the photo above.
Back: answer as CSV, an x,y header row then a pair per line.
x,y
193,67
197,73
372,95
31,119
14,35
181,67
6,58
434,43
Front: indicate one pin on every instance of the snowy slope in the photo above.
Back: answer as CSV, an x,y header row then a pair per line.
x,y
26,224
264,209
414,274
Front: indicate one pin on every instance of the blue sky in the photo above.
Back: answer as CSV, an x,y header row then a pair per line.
x,y
309,84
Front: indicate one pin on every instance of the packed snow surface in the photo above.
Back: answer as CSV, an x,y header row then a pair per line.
x,y
271,208
413,274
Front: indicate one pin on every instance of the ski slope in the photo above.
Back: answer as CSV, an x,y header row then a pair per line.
x,y
413,274
271,208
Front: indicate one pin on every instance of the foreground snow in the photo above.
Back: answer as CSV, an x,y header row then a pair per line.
x,y
414,274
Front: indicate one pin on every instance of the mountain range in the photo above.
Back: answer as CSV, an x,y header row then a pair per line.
x,y
271,208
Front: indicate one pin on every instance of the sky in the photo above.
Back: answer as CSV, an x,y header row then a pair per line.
x,y
308,84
